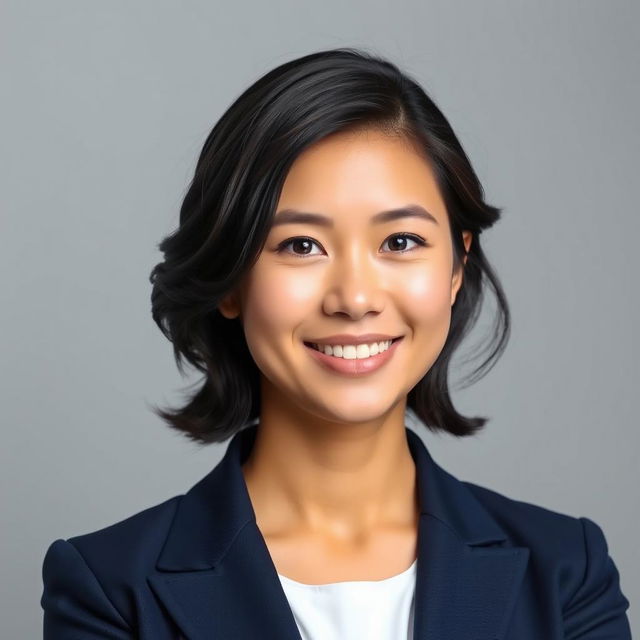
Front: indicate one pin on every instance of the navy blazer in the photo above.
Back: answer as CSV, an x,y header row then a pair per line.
x,y
197,567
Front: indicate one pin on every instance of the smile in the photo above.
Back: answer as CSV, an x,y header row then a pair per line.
x,y
352,352
354,361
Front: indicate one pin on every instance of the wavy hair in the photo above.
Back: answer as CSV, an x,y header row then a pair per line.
x,y
226,215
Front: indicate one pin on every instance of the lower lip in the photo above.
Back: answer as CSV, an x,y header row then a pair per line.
x,y
356,366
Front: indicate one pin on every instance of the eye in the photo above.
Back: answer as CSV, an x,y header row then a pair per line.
x,y
417,239
307,242
300,241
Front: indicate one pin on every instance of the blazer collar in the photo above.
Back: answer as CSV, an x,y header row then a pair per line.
x,y
223,582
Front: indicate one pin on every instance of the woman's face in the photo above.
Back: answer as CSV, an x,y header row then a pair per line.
x,y
352,275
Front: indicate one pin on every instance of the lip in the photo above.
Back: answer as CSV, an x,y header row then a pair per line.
x,y
357,366
349,338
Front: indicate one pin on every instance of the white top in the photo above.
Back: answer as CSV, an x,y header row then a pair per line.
x,y
371,609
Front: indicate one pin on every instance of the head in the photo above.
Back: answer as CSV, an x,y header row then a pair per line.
x,y
249,280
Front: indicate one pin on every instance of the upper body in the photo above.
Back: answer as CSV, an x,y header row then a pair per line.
x,y
327,266
196,566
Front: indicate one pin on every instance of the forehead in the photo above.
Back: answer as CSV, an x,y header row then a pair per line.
x,y
367,171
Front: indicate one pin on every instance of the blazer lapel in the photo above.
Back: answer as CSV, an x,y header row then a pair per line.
x,y
217,581
468,573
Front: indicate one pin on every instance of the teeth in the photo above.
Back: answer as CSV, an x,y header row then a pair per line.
x,y
351,351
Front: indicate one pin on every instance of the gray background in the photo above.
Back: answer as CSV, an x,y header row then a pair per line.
x,y
105,108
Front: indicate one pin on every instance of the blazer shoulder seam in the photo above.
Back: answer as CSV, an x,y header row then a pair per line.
x,y
93,573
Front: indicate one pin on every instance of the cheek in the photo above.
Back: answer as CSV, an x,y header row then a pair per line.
x,y
427,300
275,306
427,295
278,301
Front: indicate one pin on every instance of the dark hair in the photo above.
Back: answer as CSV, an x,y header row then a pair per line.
x,y
227,211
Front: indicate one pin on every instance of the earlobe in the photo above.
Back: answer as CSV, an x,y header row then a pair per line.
x,y
467,237
228,307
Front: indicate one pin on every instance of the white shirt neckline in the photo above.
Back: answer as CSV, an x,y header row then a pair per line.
x,y
349,583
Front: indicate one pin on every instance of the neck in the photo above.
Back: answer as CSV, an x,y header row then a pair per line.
x,y
343,482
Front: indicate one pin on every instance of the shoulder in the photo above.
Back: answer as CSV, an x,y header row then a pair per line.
x,y
526,523
569,554
99,571
134,541
551,536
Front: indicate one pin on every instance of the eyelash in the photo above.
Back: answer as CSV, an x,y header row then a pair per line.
x,y
420,241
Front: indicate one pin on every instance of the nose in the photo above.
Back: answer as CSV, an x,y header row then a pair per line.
x,y
355,287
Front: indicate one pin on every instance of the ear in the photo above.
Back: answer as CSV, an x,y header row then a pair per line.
x,y
229,306
456,281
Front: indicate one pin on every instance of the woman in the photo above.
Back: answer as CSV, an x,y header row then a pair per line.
x,y
326,267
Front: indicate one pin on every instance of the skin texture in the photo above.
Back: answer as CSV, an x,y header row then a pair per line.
x,y
331,477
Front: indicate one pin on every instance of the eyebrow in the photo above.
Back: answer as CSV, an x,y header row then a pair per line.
x,y
293,216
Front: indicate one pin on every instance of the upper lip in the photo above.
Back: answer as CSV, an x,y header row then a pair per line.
x,y
347,338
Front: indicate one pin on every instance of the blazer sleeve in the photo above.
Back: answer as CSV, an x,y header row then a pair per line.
x,y
598,608
75,604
